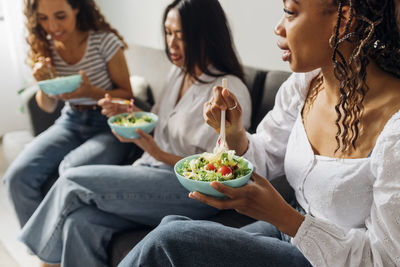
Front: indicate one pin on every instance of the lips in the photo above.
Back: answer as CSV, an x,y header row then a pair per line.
x,y
286,51
175,57
57,35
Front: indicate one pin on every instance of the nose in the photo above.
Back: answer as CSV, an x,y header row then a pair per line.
x,y
280,28
172,41
53,25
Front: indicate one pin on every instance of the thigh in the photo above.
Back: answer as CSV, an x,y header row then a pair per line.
x,y
102,148
41,158
182,242
139,193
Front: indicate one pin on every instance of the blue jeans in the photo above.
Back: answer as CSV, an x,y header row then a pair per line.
x,y
88,204
77,138
179,241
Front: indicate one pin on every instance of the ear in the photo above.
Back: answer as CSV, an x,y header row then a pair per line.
x,y
75,11
347,14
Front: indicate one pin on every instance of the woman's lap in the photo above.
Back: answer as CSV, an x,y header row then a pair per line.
x,y
137,191
181,242
142,195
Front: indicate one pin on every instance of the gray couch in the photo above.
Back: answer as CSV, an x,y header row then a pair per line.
x,y
152,64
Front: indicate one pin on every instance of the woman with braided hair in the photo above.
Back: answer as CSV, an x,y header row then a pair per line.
x,y
334,132
68,37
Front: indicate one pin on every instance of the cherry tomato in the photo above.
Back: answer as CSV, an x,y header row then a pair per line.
x,y
210,167
224,170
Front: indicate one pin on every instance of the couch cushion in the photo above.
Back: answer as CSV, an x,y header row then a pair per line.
x,y
266,99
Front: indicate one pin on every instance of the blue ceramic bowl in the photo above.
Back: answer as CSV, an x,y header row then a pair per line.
x,y
60,85
130,131
205,187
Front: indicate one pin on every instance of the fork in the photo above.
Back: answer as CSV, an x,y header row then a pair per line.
x,y
221,141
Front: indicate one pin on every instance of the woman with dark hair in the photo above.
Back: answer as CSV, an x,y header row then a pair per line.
x,y
88,204
65,38
334,132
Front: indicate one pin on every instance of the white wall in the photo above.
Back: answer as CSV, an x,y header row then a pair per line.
x,y
12,70
139,21
252,23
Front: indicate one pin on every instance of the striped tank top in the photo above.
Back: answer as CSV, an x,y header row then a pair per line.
x,y
100,49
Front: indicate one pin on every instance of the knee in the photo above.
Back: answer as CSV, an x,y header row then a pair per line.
x,y
70,175
170,231
173,218
15,178
64,166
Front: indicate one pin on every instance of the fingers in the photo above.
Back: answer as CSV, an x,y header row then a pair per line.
x,y
143,134
258,179
231,100
81,72
131,105
42,68
218,203
47,60
228,191
212,115
123,139
218,99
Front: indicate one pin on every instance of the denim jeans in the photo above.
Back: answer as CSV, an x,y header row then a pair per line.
x,y
77,138
178,241
88,204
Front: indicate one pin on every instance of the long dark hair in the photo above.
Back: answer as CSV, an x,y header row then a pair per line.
x,y
207,38
88,18
376,37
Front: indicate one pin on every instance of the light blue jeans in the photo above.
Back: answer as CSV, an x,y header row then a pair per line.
x,y
87,205
77,138
179,241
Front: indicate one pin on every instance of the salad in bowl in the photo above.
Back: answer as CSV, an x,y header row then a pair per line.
x,y
126,124
196,172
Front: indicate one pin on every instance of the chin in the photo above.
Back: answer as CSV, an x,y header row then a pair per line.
x,y
178,63
299,68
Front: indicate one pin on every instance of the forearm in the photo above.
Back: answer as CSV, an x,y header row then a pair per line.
x,y
98,93
45,102
288,220
238,142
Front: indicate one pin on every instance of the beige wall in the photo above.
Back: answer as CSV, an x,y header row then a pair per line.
x,y
252,23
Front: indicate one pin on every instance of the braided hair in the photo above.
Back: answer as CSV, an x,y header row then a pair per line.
x,y
376,37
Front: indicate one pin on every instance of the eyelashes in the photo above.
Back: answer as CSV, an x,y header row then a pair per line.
x,y
287,11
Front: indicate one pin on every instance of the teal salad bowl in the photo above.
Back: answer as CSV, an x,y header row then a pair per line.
x,y
129,131
60,85
204,187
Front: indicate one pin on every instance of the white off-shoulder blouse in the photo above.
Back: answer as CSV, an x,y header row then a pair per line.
x,y
352,205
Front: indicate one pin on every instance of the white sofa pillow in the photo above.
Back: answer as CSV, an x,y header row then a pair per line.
x,y
139,87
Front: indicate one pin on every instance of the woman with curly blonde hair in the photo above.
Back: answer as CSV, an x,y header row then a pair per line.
x,y
334,132
68,37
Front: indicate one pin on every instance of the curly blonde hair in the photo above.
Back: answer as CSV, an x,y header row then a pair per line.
x,y
376,38
88,18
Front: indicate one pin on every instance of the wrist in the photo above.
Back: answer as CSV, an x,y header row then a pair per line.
x,y
238,141
96,93
290,221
